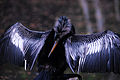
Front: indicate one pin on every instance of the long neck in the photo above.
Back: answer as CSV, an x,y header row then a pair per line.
x,y
57,58
43,55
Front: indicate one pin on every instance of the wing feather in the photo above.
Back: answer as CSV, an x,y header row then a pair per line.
x,y
98,52
19,43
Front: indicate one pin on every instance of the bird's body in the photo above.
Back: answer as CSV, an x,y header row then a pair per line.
x,y
56,63
59,48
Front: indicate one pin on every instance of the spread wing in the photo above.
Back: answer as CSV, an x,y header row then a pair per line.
x,y
98,52
19,44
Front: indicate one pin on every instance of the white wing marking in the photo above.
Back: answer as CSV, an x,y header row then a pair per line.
x,y
17,40
94,47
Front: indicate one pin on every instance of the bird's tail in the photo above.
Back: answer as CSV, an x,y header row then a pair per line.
x,y
44,75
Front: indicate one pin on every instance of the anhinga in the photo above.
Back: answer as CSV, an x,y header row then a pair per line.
x,y
59,48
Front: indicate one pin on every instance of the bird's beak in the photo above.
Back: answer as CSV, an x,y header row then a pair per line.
x,y
53,48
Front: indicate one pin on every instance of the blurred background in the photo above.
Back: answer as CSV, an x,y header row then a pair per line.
x,y
87,16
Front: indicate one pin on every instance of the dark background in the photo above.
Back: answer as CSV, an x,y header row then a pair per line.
x,y
88,16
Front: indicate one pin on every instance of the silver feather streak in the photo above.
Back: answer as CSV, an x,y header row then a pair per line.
x,y
98,52
21,46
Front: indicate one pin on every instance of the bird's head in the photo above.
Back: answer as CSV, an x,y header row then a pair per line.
x,y
63,29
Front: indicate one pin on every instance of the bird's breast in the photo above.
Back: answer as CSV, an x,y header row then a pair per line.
x,y
56,62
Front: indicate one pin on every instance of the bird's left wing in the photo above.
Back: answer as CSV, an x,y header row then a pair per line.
x,y
98,52
20,45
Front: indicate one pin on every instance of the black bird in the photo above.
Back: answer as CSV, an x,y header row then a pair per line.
x,y
59,48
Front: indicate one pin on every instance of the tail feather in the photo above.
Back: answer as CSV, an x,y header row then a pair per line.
x,y
44,75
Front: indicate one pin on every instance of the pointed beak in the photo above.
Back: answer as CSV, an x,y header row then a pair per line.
x,y
53,48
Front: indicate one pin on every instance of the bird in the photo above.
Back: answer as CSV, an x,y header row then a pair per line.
x,y
58,48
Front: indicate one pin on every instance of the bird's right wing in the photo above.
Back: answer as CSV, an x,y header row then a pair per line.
x,y
98,52
19,43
